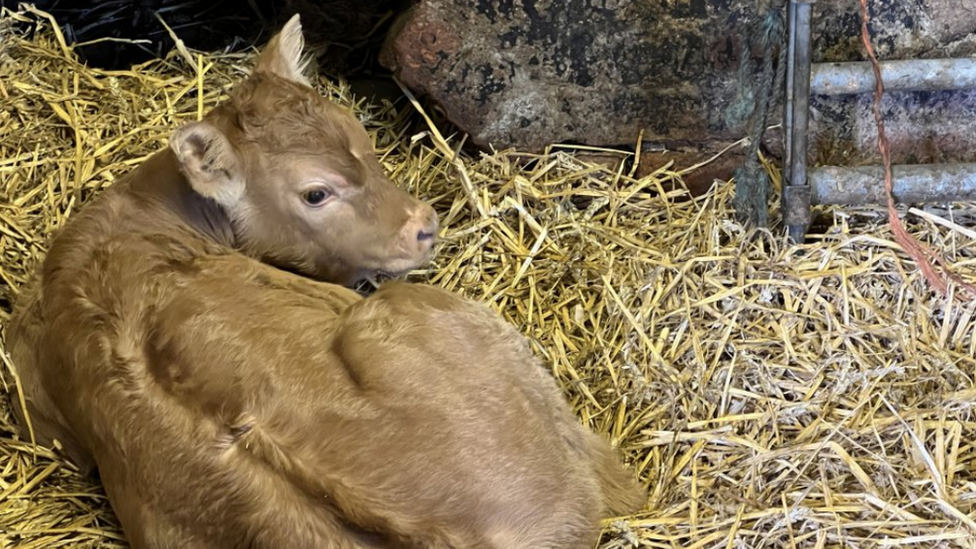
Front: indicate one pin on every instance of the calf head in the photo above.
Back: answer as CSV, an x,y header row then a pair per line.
x,y
299,179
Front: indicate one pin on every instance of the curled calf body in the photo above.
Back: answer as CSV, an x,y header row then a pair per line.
x,y
189,334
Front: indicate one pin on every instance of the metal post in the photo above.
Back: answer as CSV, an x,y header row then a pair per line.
x,y
788,104
796,192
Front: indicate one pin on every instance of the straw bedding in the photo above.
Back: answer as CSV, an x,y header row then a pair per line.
x,y
770,395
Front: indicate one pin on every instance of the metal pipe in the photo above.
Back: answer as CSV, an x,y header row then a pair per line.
x,y
911,183
796,194
788,103
907,75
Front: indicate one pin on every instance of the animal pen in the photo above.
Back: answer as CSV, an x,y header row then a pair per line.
x,y
770,394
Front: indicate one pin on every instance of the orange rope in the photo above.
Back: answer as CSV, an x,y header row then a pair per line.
x,y
918,251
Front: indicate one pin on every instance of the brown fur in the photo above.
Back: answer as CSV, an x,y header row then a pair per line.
x,y
228,403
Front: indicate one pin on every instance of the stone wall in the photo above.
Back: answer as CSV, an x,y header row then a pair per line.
x,y
526,73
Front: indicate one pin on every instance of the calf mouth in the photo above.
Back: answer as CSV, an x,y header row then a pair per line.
x,y
371,278
371,282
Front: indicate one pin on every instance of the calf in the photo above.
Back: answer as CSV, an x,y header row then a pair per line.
x,y
189,334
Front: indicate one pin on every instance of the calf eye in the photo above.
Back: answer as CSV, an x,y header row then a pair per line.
x,y
316,197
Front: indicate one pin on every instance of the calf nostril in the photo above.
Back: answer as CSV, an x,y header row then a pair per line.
x,y
424,221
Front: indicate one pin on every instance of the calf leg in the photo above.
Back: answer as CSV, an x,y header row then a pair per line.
x,y
622,494
34,411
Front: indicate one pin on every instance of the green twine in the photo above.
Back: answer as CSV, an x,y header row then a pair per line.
x,y
752,184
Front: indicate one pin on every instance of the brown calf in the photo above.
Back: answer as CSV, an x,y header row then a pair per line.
x,y
230,403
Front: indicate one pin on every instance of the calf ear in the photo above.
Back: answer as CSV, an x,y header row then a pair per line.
x,y
209,162
283,54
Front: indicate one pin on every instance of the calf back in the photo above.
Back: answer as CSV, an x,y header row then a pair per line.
x,y
352,423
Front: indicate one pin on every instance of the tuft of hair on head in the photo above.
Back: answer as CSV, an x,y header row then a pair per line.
x,y
284,55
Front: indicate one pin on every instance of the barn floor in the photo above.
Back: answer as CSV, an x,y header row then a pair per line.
x,y
771,396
